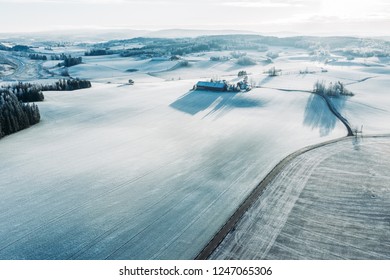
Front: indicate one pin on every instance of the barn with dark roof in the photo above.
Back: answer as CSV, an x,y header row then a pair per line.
x,y
214,86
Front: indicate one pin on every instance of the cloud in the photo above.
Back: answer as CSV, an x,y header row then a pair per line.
x,y
239,3
95,1
265,3
78,1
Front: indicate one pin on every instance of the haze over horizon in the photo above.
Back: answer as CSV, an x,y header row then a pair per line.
x,y
318,17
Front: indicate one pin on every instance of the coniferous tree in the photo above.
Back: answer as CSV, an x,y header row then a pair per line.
x,y
15,115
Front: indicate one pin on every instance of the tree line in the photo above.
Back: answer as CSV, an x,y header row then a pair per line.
x,y
332,90
16,115
35,56
68,85
15,111
27,92
68,59
71,61
96,52
24,92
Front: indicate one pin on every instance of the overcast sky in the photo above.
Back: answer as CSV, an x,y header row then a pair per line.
x,y
339,17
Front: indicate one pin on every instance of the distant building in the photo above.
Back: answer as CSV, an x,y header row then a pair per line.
x,y
214,86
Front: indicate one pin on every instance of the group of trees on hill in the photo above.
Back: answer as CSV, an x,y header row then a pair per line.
x,y
36,56
242,73
68,59
96,52
16,115
332,90
15,111
24,92
273,72
16,48
219,58
71,61
58,56
20,48
27,92
68,85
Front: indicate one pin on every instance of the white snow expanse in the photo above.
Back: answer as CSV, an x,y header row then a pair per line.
x,y
153,170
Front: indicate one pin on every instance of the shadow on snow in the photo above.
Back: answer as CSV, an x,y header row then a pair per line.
x,y
318,115
197,101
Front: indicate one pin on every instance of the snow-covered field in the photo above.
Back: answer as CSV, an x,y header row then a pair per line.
x,y
328,203
6,69
153,170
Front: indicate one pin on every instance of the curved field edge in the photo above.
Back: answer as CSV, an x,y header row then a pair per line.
x,y
231,224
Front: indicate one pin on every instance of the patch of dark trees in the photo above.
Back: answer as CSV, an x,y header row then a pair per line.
x,y
132,70
96,52
27,92
20,48
68,60
336,89
24,92
141,52
35,56
242,73
68,85
58,56
16,115
71,61
16,48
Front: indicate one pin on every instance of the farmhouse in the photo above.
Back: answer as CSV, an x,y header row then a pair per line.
x,y
214,86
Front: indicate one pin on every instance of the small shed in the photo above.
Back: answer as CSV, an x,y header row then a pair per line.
x,y
214,86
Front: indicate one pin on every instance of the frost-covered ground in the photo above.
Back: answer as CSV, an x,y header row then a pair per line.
x,y
6,69
22,68
143,171
329,203
153,170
